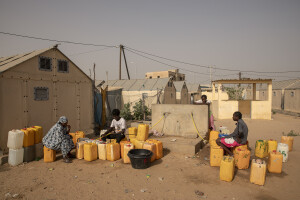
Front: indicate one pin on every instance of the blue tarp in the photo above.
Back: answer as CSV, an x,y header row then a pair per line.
x,y
98,108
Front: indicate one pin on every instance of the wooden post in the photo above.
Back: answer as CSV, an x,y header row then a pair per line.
x,y
120,62
125,62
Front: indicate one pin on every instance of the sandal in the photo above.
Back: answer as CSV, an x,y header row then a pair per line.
x,y
71,155
66,159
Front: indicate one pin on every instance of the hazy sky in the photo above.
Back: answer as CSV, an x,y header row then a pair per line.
x,y
247,35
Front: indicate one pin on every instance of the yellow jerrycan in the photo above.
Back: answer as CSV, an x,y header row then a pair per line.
x,y
159,148
127,148
38,136
143,132
216,155
288,140
227,168
49,155
213,136
113,151
132,132
275,162
241,158
261,148
90,151
28,139
151,147
74,138
122,143
80,150
102,151
272,145
258,172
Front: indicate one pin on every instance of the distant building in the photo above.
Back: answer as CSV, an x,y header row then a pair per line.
x,y
153,91
182,93
285,95
174,74
38,87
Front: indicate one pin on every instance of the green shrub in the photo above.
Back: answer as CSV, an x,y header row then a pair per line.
x,y
126,113
138,113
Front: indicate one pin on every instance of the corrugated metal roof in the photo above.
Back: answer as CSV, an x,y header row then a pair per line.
x,y
178,85
161,83
149,84
137,84
11,61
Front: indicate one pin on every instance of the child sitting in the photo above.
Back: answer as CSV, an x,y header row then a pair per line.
x,y
118,126
238,137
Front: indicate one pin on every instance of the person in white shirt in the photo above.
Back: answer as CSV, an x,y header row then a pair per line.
x,y
118,127
203,100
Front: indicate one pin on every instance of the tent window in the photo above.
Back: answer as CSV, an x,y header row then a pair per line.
x,y
62,66
41,93
45,64
274,94
292,94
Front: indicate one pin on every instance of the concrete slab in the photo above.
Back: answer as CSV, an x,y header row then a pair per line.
x,y
181,145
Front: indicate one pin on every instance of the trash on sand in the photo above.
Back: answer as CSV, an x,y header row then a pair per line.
x,y
143,190
112,165
75,176
7,195
161,178
199,193
205,158
15,195
51,169
173,140
148,176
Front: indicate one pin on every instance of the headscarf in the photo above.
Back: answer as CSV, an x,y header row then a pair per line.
x,y
63,119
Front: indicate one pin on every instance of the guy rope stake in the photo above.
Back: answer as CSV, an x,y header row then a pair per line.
x,y
205,141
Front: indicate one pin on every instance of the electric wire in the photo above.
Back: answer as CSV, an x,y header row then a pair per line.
x,y
62,41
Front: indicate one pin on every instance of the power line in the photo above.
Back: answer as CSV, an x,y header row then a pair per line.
x,y
203,66
91,51
53,40
166,63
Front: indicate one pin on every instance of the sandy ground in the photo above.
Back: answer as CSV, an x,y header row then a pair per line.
x,y
172,177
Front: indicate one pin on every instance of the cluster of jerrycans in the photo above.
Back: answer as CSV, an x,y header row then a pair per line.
x,y
90,150
277,153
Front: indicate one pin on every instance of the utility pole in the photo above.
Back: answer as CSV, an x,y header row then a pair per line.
x,y
240,77
94,74
210,74
120,62
125,62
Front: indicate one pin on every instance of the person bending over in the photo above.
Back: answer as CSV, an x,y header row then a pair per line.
x,y
117,127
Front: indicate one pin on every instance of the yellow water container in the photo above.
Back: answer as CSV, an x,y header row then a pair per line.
x,y
112,151
159,148
133,140
73,138
143,132
127,148
227,168
38,136
102,151
80,150
28,139
138,144
288,140
79,134
132,131
90,151
258,172
241,158
216,155
261,148
272,145
49,155
275,162
151,147
122,147
213,136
